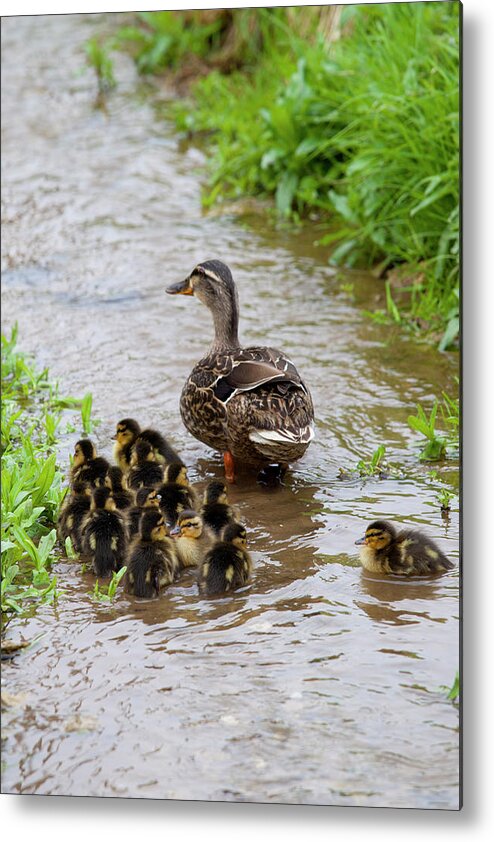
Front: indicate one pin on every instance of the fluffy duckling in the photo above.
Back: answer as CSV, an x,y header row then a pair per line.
x,y
146,497
86,465
153,560
194,539
216,511
406,553
73,513
144,469
115,480
176,493
128,432
104,538
228,564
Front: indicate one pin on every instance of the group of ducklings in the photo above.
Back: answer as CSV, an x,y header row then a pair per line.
x,y
144,514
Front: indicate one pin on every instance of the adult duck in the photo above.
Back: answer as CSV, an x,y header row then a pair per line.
x,y
249,403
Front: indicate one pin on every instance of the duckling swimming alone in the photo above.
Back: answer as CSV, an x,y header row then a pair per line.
x,y
406,553
228,564
216,511
115,480
176,493
146,497
194,539
104,534
144,469
128,432
153,560
73,513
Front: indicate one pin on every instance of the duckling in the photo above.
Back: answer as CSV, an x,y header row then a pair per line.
x,y
216,511
144,469
228,564
406,553
86,465
128,431
176,493
104,537
115,480
73,512
153,560
194,538
146,497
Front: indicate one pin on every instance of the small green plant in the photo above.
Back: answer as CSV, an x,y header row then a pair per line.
x,y
106,593
435,448
374,465
31,487
69,548
454,690
98,57
444,498
86,407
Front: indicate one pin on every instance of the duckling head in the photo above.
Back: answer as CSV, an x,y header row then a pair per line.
x,y
216,492
82,486
148,497
102,499
235,533
378,535
127,432
152,526
114,478
189,524
177,472
84,450
142,451
212,283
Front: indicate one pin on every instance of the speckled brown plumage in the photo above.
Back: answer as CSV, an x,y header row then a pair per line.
x,y
250,402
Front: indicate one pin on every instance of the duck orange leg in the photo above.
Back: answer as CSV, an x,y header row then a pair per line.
x,y
229,466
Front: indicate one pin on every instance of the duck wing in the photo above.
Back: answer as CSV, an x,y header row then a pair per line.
x,y
254,367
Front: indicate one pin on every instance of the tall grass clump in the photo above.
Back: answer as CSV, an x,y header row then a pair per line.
x,y
362,129
32,411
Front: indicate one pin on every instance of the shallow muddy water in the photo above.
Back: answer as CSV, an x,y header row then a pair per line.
x,y
316,684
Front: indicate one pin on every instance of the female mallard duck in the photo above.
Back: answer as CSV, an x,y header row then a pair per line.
x,y
194,538
249,403
152,561
228,564
406,553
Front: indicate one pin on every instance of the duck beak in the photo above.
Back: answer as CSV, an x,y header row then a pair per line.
x,y
113,438
175,530
182,288
360,541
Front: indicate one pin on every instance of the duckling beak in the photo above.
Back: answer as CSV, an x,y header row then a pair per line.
x,y
361,540
113,438
182,288
175,530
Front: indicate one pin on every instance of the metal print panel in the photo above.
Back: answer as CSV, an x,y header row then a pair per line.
x,y
230,530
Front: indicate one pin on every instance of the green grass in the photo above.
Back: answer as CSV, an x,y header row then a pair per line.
x,y
362,131
107,593
32,412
